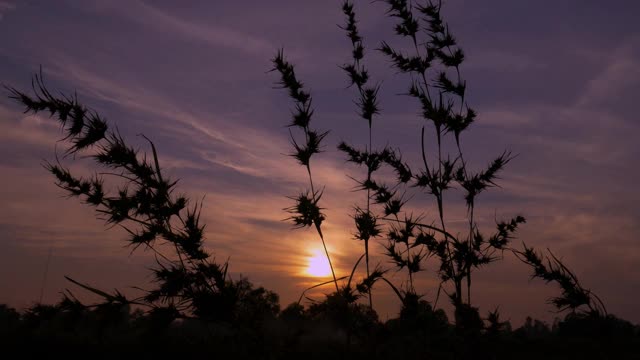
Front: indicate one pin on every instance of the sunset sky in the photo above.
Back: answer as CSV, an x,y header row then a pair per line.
x,y
555,82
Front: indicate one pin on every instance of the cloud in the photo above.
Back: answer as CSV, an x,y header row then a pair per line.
x,y
27,129
622,69
217,36
505,118
5,7
578,132
250,152
209,138
497,59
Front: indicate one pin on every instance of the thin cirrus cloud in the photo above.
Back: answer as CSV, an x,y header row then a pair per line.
x,y
621,72
163,22
211,139
187,126
203,130
504,60
6,7
220,128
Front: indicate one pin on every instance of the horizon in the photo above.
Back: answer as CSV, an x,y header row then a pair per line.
x,y
556,88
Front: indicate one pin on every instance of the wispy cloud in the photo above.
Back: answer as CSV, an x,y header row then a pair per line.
x,y
622,69
502,60
163,21
251,151
5,7
247,151
571,131
28,129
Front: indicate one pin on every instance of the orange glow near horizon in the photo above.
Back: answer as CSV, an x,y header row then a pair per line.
x,y
318,265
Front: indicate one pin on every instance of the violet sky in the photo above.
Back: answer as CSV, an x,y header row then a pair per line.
x,y
556,82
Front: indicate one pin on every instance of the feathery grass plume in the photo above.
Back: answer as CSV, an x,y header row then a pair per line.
x,y
574,297
366,220
401,234
306,211
437,84
144,204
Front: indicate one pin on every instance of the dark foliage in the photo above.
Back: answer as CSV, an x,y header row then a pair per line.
x,y
195,309
314,333
189,283
434,68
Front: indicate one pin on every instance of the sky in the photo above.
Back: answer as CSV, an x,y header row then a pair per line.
x,y
554,82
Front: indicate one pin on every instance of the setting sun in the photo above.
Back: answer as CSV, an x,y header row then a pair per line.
x,y
318,264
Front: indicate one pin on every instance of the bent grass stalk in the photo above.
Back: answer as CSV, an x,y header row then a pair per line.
x,y
188,282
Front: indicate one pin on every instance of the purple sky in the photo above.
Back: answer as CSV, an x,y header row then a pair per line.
x,y
555,83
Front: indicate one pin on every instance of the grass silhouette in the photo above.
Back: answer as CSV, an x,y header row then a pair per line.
x,y
189,283
195,309
410,242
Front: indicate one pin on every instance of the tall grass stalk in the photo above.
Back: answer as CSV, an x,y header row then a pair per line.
x,y
443,106
366,222
306,211
436,82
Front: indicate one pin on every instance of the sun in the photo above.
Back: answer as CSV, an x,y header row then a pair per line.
x,y
318,264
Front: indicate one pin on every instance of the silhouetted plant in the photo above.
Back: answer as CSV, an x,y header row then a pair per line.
x,y
9,318
341,307
306,211
595,326
367,226
416,314
343,312
443,106
494,325
189,282
191,286
293,312
574,297
533,328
